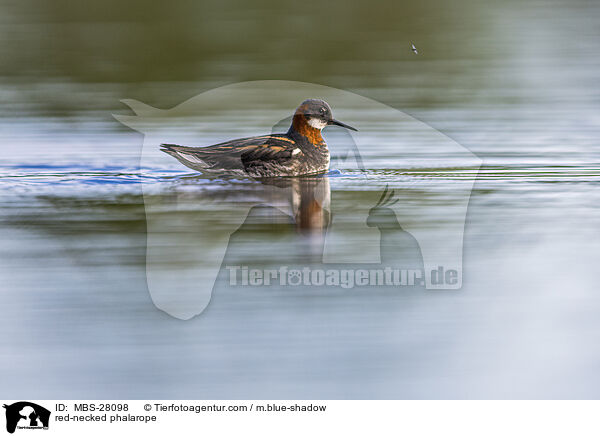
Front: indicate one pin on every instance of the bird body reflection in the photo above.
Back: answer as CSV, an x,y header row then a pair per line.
x,y
298,207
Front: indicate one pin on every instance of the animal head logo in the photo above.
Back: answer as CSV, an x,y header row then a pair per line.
x,y
26,415
382,215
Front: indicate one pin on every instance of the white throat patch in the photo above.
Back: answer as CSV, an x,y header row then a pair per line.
x,y
316,123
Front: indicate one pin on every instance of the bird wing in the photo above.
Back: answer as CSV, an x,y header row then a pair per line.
x,y
235,154
261,156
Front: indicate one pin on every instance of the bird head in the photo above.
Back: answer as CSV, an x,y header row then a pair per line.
x,y
317,114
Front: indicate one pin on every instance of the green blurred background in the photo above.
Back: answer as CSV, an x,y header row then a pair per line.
x,y
464,47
